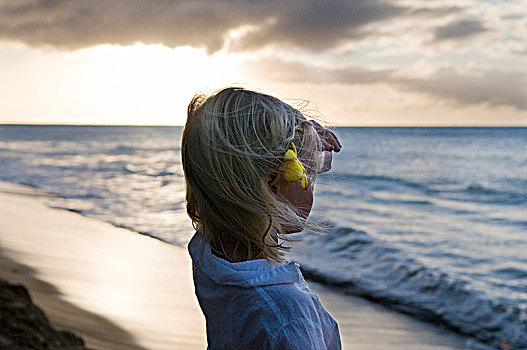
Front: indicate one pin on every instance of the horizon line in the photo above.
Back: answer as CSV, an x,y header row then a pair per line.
x,y
335,126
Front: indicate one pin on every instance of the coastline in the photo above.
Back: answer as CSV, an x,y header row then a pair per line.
x,y
118,289
114,288
99,332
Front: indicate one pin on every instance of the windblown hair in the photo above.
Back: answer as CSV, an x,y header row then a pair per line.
x,y
231,140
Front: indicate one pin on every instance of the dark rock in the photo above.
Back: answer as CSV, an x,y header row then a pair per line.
x,y
24,326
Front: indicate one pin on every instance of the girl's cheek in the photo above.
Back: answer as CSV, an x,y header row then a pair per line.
x,y
300,198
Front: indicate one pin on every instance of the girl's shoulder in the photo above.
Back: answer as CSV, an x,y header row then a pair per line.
x,y
292,301
292,314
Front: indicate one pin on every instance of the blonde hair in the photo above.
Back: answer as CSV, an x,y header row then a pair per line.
x,y
231,140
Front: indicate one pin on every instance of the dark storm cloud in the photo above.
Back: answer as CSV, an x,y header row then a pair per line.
x,y
492,87
313,25
459,29
318,25
78,23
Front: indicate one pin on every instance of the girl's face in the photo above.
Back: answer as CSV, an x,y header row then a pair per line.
x,y
292,192
299,198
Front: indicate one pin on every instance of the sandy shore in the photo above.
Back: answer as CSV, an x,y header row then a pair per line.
x,y
120,290
113,287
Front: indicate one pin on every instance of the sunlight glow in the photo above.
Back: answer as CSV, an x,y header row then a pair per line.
x,y
140,84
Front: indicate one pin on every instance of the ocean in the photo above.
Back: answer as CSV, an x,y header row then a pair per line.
x,y
431,222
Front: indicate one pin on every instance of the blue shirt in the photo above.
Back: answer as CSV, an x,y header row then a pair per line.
x,y
258,304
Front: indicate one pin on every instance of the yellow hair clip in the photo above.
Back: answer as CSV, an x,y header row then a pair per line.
x,y
292,169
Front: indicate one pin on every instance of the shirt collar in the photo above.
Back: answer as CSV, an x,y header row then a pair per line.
x,y
252,273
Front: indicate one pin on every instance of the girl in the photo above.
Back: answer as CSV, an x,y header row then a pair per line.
x,y
250,163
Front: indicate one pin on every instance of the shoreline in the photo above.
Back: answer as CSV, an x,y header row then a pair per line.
x,y
114,288
108,284
96,331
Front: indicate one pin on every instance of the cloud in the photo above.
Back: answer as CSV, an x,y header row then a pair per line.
x,y
432,12
484,86
459,29
309,25
513,16
293,72
522,51
77,23
477,86
318,25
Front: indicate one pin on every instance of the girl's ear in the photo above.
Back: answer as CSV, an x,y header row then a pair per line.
x,y
271,178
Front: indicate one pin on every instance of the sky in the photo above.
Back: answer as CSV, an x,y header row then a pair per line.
x,y
349,63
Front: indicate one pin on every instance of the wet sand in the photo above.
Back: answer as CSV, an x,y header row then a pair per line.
x,y
113,287
120,290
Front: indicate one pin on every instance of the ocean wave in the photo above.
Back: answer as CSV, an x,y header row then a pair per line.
x,y
149,170
119,149
478,193
123,150
512,273
355,263
473,192
372,177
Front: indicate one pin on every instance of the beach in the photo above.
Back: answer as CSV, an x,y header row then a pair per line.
x,y
113,287
117,289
